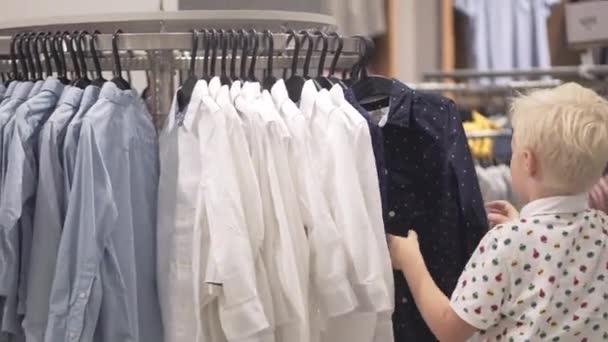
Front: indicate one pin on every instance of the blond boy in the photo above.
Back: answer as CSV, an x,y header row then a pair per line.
x,y
542,274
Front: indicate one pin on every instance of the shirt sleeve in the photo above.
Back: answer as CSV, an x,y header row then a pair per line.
x,y
352,217
482,287
328,257
230,266
91,215
373,203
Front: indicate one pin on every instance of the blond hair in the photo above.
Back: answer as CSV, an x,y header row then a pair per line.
x,y
567,130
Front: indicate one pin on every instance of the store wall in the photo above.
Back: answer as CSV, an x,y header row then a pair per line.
x,y
416,27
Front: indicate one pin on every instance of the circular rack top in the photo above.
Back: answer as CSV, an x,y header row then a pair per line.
x,y
181,21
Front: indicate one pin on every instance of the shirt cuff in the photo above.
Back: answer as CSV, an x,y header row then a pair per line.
x,y
240,310
336,298
373,297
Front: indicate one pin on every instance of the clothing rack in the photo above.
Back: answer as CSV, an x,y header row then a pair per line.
x,y
582,71
159,42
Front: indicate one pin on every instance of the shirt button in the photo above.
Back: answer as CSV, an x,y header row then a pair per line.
x,y
391,213
72,335
82,295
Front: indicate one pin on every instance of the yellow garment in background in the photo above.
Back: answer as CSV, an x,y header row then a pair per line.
x,y
481,148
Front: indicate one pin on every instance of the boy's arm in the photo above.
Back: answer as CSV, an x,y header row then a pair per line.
x,y
434,306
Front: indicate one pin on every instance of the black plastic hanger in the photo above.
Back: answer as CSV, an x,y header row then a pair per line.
x,y
58,55
334,63
207,46
308,57
15,76
253,36
184,94
69,42
234,44
120,82
41,38
269,80
84,80
29,58
35,56
294,83
214,35
322,81
373,92
224,38
244,40
100,80
22,58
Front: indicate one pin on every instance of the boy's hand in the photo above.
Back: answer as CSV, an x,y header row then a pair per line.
x,y
403,249
500,212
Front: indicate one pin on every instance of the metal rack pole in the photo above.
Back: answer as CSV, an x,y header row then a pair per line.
x,y
584,71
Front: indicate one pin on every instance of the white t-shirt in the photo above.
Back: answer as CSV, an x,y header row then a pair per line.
x,y
540,278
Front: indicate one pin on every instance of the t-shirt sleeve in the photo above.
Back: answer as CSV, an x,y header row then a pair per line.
x,y
482,286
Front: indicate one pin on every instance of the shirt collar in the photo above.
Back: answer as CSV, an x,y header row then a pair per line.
x,y
400,103
402,98
71,96
22,90
555,205
112,93
52,85
308,98
200,90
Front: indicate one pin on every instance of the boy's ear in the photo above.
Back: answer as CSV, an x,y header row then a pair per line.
x,y
530,163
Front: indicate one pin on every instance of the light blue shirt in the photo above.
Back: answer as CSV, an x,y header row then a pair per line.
x,y
49,215
8,92
508,34
70,145
18,193
35,89
10,322
105,281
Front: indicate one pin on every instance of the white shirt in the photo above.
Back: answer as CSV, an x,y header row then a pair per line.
x,y
366,167
223,260
250,196
542,277
277,250
332,290
336,162
180,166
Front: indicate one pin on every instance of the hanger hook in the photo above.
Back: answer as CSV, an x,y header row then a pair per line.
x,y
244,40
360,67
35,55
296,50
193,53
323,37
41,38
308,57
80,52
234,45
270,42
22,59
14,57
57,47
94,55
115,55
29,56
224,46
215,43
207,46
68,39
337,53
253,35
